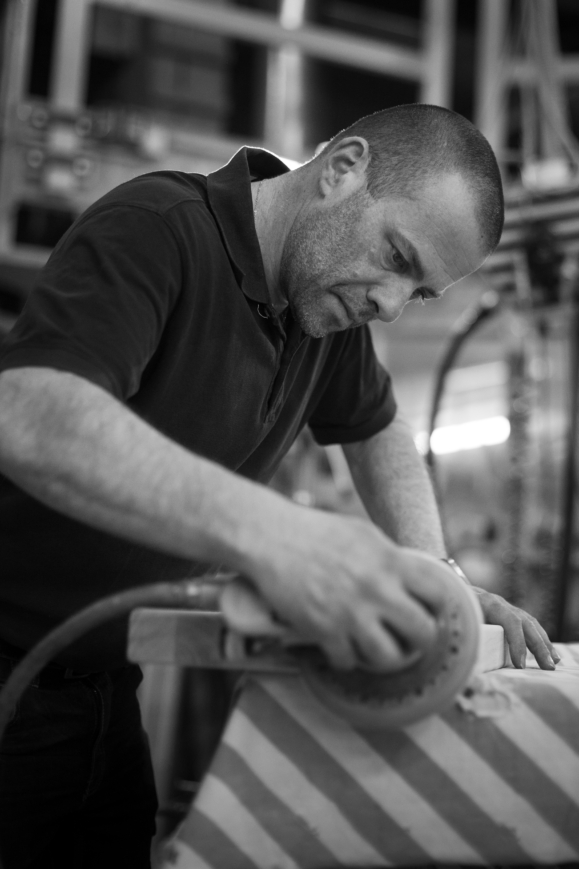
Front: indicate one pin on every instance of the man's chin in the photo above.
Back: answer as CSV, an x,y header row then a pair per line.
x,y
317,331
313,329
316,327
309,325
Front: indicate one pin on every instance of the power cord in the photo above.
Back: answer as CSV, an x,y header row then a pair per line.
x,y
195,594
465,326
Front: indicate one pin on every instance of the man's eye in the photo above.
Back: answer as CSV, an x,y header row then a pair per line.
x,y
398,259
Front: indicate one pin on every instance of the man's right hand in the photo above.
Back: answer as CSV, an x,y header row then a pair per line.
x,y
342,584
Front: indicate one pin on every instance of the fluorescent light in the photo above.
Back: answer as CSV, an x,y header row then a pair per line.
x,y
465,436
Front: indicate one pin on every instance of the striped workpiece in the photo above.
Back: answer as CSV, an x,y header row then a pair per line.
x,y
495,781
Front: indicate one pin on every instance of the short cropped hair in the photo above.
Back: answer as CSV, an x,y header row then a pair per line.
x,y
413,143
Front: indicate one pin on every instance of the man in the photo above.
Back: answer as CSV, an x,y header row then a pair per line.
x,y
181,335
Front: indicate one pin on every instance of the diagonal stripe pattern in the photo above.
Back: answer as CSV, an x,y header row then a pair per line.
x,y
293,786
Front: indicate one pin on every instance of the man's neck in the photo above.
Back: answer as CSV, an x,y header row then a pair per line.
x,y
276,203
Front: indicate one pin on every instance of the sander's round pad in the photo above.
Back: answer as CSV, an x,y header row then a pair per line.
x,y
370,700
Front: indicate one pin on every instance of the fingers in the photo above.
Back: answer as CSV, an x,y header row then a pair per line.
x,y
386,631
373,648
515,638
408,625
367,641
381,649
415,602
539,644
383,635
522,632
545,637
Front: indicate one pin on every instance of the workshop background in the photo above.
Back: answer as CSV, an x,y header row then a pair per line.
x,y
94,93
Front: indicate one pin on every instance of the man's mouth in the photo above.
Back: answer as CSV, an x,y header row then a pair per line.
x,y
339,312
359,318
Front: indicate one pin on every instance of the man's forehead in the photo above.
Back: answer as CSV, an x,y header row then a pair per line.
x,y
446,199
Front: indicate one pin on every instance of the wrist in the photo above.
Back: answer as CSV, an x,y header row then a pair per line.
x,y
480,592
457,569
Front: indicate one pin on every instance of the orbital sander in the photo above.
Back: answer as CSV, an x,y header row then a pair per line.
x,y
425,683
428,683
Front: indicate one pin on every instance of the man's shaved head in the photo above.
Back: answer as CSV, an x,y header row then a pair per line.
x,y
413,144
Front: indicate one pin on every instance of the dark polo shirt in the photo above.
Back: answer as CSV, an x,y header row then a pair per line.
x,y
157,294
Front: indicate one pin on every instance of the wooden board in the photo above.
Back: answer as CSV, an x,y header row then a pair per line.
x,y
191,639
493,652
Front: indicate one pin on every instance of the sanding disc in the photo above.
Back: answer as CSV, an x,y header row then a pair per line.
x,y
429,685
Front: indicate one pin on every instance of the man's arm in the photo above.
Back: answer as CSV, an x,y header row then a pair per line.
x,y
337,580
392,481
395,488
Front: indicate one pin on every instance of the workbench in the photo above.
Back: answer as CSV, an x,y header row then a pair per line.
x,y
492,781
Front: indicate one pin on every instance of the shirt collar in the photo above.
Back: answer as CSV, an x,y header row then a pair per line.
x,y
229,191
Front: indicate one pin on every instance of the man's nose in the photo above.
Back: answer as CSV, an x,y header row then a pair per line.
x,y
389,300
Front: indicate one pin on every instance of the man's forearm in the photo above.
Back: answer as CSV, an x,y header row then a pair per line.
x,y
393,483
74,447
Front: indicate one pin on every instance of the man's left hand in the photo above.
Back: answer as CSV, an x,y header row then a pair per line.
x,y
522,630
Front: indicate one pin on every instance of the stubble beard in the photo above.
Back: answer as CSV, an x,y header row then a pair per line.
x,y
316,256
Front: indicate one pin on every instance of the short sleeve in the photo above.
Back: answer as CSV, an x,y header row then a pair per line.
x,y
358,400
102,299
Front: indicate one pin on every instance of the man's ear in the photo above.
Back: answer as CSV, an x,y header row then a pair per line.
x,y
344,166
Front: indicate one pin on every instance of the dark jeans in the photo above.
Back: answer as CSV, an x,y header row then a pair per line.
x,y
76,781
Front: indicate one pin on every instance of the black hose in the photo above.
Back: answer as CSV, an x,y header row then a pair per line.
x,y
465,326
196,594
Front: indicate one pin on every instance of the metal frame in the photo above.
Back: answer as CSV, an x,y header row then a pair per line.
x,y
17,45
491,117
431,68
497,71
70,67
439,39
284,130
